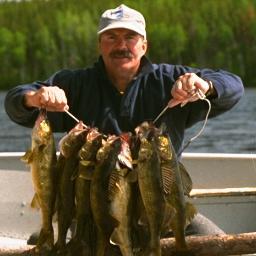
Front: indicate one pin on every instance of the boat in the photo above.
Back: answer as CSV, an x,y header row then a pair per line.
x,y
224,190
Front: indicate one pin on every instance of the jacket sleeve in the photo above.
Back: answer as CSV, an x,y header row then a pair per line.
x,y
20,114
229,88
15,108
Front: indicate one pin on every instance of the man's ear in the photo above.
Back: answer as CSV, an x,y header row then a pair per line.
x,y
145,45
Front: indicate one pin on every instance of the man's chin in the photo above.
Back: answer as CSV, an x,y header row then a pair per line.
x,y
122,60
123,63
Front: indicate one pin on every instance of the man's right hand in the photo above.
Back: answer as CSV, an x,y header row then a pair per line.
x,y
52,98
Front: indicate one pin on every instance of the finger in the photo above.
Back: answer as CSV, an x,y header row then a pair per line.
x,y
179,90
60,97
178,85
66,108
61,100
53,99
43,95
189,83
51,96
195,97
202,85
173,102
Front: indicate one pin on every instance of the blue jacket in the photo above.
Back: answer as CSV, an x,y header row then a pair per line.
x,y
93,99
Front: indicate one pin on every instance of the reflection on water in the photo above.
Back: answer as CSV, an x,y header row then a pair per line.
x,y
232,132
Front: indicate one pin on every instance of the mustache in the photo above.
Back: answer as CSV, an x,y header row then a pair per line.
x,y
121,54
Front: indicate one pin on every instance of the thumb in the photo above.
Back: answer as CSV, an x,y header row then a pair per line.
x,y
172,103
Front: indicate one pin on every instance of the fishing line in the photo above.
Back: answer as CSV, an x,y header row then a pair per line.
x,y
76,119
198,93
201,96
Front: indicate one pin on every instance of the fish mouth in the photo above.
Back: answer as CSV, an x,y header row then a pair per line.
x,y
41,116
146,130
93,134
43,111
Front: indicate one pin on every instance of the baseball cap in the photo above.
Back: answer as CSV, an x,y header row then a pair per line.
x,y
122,17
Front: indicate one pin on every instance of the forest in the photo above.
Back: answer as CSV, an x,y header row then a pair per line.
x,y
39,37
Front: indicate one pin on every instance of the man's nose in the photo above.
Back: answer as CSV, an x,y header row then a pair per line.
x,y
121,42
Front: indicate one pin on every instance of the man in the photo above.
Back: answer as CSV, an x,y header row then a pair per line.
x,y
124,88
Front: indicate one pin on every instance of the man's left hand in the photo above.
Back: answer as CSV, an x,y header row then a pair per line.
x,y
185,87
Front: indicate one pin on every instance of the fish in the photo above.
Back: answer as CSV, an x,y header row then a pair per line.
x,y
151,186
71,143
106,161
121,195
176,184
42,160
83,241
69,147
163,183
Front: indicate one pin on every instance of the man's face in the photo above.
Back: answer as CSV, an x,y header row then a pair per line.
x,y
122,49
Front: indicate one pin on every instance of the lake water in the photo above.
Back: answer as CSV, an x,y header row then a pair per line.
x,y
232,132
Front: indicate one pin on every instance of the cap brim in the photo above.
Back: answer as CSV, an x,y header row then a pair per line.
x,y
122,25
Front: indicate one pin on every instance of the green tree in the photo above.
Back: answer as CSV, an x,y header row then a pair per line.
x,y
41,36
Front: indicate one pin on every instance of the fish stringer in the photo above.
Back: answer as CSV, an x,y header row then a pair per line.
x,y
201,96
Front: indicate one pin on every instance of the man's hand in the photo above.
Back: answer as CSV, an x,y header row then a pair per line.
x,y
185,87
52,98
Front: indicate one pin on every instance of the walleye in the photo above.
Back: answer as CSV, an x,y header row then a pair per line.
x,y
163,181
106,162
176,184
84,239
42,159
150,186
68,161
120,195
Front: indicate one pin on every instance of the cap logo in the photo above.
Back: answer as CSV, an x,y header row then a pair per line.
x,y
119,14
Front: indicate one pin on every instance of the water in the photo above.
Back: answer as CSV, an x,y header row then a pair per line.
x,y
232,132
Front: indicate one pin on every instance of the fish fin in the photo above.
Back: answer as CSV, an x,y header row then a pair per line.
x,y
143,220
55,217
123,173
190,211
125,158
125,161
27,157
117,166
55,210
114,238
186,179
168,218
35,204
168,177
